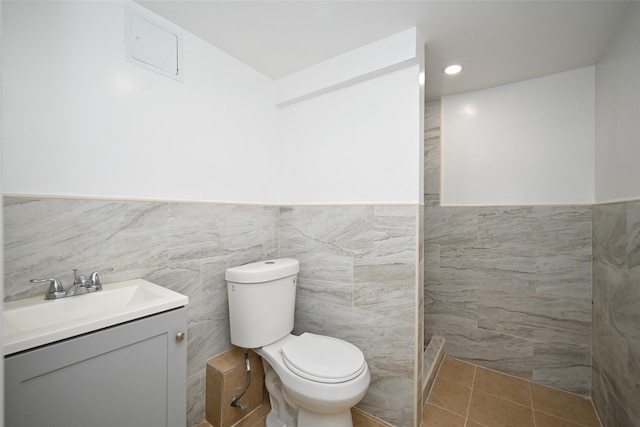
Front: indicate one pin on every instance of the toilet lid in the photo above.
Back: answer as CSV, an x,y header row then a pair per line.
x,y
323,359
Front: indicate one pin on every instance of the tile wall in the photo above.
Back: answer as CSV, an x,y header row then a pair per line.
x,y
616,313
508,287
357,281
422,368
183,246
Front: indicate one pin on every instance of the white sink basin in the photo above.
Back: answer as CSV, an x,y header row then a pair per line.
x,y
32,322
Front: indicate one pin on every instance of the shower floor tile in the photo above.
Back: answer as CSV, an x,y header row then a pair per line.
x,y
473,396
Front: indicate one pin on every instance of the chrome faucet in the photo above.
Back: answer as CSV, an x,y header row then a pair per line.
x,y
81,284
55,291
94,279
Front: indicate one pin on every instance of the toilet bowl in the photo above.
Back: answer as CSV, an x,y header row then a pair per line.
x,y
313,380
320,374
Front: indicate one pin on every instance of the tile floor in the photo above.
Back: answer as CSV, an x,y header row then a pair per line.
x,y
360,419
465,395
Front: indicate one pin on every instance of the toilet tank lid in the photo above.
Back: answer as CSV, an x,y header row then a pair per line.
x,y
263,271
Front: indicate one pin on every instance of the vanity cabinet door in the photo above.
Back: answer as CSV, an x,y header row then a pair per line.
x,y
133,374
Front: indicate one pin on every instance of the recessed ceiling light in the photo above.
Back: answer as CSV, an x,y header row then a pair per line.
x,y
452,69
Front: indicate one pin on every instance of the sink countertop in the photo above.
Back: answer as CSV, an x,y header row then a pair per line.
x,y
32,322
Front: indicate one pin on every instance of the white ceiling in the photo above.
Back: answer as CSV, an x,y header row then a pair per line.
x,y
498,42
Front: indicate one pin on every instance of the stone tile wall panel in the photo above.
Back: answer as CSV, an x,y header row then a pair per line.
x,y
616,313
185,247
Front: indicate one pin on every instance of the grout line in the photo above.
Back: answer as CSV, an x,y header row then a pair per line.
x,y
563,419
445,409
533,411
560,390
473,383
600,424
499,372
506,399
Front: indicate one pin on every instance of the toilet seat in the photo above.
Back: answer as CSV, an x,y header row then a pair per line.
x,y
323,359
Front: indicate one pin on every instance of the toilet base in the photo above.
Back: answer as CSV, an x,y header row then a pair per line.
x,y
280,407
273,420
305,403
313,419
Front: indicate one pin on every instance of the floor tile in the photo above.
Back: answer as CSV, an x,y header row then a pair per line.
x,y
495,412
438,417
546,420
502,385
457,370
363,419
450,395
465,395
260,423
564,405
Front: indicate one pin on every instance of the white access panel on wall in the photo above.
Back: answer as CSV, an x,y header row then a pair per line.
x,y
152,44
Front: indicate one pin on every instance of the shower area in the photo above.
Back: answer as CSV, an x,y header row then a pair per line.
x,y
508,287
548,292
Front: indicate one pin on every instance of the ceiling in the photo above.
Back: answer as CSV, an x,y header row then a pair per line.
x,y
497,42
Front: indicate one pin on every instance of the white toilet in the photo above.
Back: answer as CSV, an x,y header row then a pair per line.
x,y
313,380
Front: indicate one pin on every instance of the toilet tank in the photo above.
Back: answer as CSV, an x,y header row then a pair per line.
x,y
262,297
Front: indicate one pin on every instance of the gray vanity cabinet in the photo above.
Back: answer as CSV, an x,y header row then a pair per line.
x,y
128,375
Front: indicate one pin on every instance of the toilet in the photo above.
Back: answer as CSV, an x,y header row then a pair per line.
x,y
313,380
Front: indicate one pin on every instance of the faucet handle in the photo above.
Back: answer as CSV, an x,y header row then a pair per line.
x,y
55,291
79,279
94,279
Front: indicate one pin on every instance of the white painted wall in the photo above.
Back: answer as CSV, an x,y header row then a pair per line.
x,y
358,144
79,120
617,167
380,57
82,121
530,142
352,126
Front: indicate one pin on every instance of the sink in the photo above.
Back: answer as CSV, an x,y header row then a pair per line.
x,y
32,322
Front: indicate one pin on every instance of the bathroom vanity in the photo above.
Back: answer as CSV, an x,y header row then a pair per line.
x,y
132,373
